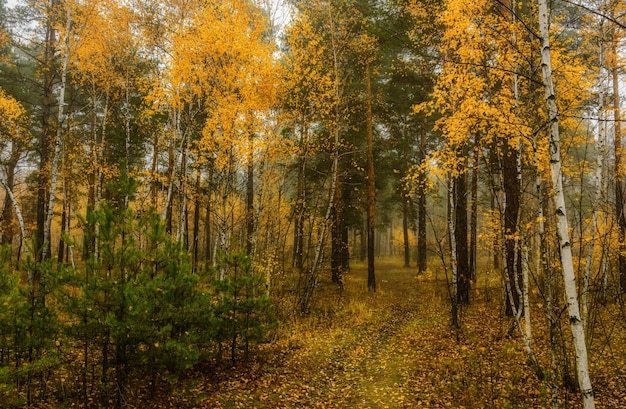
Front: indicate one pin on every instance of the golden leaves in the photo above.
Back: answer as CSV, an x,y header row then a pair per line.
x,y
13,124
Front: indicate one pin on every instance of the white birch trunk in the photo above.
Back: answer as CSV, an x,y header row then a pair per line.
x,y
54,172
182,217
527,338
170,187
18,212
569,278
453,257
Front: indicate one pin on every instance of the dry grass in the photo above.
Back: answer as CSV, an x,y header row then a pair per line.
x,y
395,349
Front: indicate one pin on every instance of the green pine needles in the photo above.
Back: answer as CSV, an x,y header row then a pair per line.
x,y
132,310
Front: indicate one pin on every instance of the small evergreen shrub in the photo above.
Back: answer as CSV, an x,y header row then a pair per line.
x,y
244,310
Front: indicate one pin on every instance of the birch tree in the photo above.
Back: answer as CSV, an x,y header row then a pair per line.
x,y
13,138
567,264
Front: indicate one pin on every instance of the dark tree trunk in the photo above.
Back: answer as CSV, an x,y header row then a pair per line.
x,y
345,249
371,186
405,231
208,231
619,178
336,264
421,208
300,205
170,175
511,214
460,237
61,249
363,238
154,185
89,236
250,198
474,213
196,223
298,230
47,134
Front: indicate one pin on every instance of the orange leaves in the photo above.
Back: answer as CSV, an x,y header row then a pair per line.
x,y
105,46
309,81
218,59
478,90
12,126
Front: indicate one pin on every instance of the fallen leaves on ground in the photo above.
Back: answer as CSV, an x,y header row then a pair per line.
x,y
393,349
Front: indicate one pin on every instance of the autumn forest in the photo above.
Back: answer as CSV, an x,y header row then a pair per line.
x,y
312,204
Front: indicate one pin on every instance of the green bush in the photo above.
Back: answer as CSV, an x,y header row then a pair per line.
x,y
244,310
28,333
132,309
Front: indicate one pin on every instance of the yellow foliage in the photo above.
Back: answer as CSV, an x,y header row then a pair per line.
x,y
398,238
14,121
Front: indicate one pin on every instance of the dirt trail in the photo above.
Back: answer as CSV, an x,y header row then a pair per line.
x,y
391,349
360,352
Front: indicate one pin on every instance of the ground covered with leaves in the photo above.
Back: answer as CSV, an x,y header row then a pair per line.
x,y
396,349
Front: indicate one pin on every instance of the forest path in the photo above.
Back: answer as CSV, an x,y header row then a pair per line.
x,y
391,349
358,349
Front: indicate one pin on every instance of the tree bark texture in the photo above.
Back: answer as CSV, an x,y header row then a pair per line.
x,y
46,135
405,231
460,237
422,257
513,259
569,278
371,186
619,175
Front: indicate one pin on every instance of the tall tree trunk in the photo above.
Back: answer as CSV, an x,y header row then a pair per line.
x,y
336,244
183,217
311,281
371,186
195,247
474,211
250,196
45,252
422,257
460,236
64,216
18,213
300,205
7,229
89,236
511,187
578,333
619,172
345,249
405,230
166,213
208,219
597,203
154,170
454,297
46,131
363,237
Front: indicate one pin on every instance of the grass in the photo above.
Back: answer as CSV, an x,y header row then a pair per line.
x,y
395,349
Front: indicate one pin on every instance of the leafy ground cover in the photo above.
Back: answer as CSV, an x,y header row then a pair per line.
x,y
396,349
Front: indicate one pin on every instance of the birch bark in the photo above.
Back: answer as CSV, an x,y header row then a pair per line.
x,y
54,173
576,325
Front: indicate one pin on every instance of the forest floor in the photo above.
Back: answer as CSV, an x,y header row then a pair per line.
x,y
396,349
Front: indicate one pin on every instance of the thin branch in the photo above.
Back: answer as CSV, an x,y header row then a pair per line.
x,y
597,13
517,17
